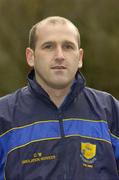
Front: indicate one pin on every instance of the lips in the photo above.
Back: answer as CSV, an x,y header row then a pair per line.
x,y
58,67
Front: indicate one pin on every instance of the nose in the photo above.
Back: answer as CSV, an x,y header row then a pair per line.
x,y
59,55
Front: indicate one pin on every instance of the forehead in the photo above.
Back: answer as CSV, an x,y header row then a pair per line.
x,y
58,31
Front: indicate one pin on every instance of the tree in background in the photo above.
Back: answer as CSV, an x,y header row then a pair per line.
x,y
98,22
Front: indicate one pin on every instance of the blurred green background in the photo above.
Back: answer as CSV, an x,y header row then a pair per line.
x,y
98,22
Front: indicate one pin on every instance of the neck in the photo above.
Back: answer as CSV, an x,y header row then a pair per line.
x,y
58,95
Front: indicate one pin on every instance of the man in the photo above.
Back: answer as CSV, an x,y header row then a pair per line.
x,y
56,128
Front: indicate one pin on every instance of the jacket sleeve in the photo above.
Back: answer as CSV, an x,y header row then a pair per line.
x,y
5,125
114,128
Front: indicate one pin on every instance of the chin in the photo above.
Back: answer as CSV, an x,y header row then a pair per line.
x,y
61,85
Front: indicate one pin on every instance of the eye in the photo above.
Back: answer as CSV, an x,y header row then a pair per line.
x,y
48,46
68,46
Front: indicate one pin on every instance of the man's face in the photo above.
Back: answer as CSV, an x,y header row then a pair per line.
x,y
56,57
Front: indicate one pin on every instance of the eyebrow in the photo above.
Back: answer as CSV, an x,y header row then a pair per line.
x,y
53,42
69,42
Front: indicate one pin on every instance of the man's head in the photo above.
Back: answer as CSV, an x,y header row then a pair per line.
x,y
54,20
54,52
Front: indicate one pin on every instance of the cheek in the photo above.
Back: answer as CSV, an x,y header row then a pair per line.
x,y
41,65
74,65
74,60
74,56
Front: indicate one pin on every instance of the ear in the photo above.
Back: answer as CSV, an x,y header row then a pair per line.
x,y
30,57
80,58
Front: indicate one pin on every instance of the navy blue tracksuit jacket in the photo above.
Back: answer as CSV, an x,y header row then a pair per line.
x,y
78,141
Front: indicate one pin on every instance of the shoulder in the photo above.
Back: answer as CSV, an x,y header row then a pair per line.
x,y
101,97
8,105
96,93
13,94
9,101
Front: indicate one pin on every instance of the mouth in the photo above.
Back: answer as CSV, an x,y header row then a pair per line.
x,y
58,67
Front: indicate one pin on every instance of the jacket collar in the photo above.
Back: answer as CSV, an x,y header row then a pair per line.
x,y
76,88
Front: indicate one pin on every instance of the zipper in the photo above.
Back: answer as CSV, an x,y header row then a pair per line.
x,y
61,124
60,118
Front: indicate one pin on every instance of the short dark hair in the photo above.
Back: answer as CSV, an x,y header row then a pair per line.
x,y
51,20
32,37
